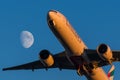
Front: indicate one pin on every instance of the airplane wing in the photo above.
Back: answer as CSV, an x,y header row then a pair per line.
x,y
62,62
116,55
60,59
97,61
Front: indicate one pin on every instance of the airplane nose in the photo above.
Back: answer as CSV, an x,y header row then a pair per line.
x,y
51,12
50,17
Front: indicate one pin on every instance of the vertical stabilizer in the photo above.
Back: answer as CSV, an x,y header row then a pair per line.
x,y
111,72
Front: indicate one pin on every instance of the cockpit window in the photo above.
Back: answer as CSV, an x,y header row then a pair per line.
x,y
51,23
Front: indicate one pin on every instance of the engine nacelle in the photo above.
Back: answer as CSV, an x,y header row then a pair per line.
x,y
46,58
104,52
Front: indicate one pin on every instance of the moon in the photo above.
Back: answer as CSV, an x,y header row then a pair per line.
x,y
27,39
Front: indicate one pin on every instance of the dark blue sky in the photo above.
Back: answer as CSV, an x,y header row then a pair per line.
x,y
96,21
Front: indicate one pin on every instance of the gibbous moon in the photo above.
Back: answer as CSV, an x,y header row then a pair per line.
x,y
27,39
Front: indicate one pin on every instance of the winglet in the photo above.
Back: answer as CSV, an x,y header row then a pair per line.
x,y
111,72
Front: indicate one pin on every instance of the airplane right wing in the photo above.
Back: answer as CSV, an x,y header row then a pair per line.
x,y
96,60
116,55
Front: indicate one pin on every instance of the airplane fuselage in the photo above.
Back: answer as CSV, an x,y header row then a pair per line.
x,y
65,34
72,43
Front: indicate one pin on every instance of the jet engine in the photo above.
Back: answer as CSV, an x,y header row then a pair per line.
x,y
104,52
46,58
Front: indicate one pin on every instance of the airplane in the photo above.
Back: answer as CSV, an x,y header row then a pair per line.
x,y
76,56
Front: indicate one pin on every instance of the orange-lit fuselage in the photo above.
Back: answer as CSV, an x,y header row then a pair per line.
x,y
65,34
72,43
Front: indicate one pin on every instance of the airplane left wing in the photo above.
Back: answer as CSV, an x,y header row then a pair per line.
x,y
60,60
32,65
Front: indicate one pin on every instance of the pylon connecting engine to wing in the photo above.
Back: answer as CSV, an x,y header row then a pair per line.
x,y
104,52
46,58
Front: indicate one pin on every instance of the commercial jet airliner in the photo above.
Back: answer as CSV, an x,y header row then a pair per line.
x,y
76,56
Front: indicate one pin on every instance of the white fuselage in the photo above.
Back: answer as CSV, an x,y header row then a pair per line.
x,y
72,43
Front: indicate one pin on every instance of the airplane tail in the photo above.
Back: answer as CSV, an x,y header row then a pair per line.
x,y
111,73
